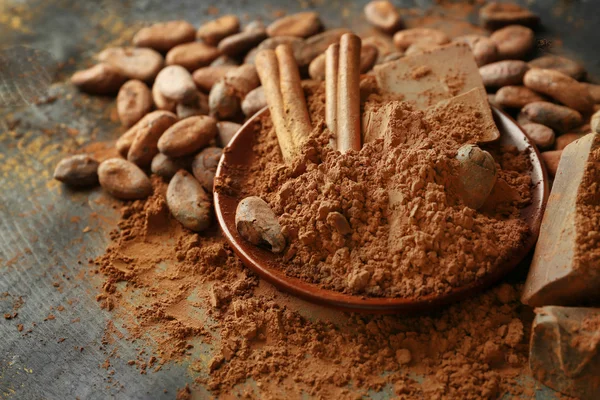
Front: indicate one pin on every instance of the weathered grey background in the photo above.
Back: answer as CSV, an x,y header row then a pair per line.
x,y
43,249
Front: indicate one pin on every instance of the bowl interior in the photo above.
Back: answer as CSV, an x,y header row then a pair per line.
x,y
239,155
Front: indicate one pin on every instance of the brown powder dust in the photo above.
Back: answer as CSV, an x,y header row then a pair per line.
x,y
180,290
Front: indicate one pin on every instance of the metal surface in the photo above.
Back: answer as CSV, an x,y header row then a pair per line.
x,y
44,249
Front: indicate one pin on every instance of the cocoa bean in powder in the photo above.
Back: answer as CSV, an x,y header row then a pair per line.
x,y
240,43
254,101
101,79
503,73
188,202
517,96
484,49
205,165
206,77
496,15
133,102
302,25
123,179
227,131
147,132
541,135
383,15
216,30
257,223
196,107
192,56
403,39
167,167
135,63
187,136
560,64
513,42
560,87
165,35
77,171
557,117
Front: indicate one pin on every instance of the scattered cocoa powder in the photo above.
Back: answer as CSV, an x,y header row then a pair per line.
x,y
475,349
429,244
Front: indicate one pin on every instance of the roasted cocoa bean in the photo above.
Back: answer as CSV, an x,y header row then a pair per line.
x,y
78,171
206,77
541,135
254,101
551,159
188,136
176,83
216,30
133,102
560,87
100,79
517,96
503,73
161,102
188,202
496,15
484,49
196,107
302,25
145,143
257,223
165,35
192,56
514,42
167,167
560,64
317,44
123,179
403,39
383,15
559,118
133,62
205,165
240,43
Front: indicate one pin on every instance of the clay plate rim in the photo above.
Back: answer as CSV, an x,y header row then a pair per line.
x,y
239,154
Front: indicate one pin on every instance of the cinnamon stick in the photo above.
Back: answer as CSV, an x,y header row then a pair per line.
x,y
294,102
348,94
332,57
268,72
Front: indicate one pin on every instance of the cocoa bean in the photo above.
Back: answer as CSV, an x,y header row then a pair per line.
x,y
496,15
517,96
503,73
206,77
594,91
257,223
254,101
513,42
78,171
164,36
255,25
176,83
197,107
493,102
123,179
101,79
188,202
403,39
564,140
541,135
147,132
316,68
224,60
560,87
227,131
317,44
166,167
135,63
205,165
161,102
477,175
557,117
225,97
133,102
561,64
216,30
187,136
383,15
484,49
551,159
302,25
368,56
192,56
240,43
384,45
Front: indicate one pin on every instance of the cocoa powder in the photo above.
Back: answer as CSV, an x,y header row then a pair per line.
x,y
429,244
193,289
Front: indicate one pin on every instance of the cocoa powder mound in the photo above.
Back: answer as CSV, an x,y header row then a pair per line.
x,y
411,235
177,290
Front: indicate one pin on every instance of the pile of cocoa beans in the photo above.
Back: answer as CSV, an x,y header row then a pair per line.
x,y
183,92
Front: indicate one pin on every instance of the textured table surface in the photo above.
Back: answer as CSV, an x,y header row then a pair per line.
x,y
47,233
